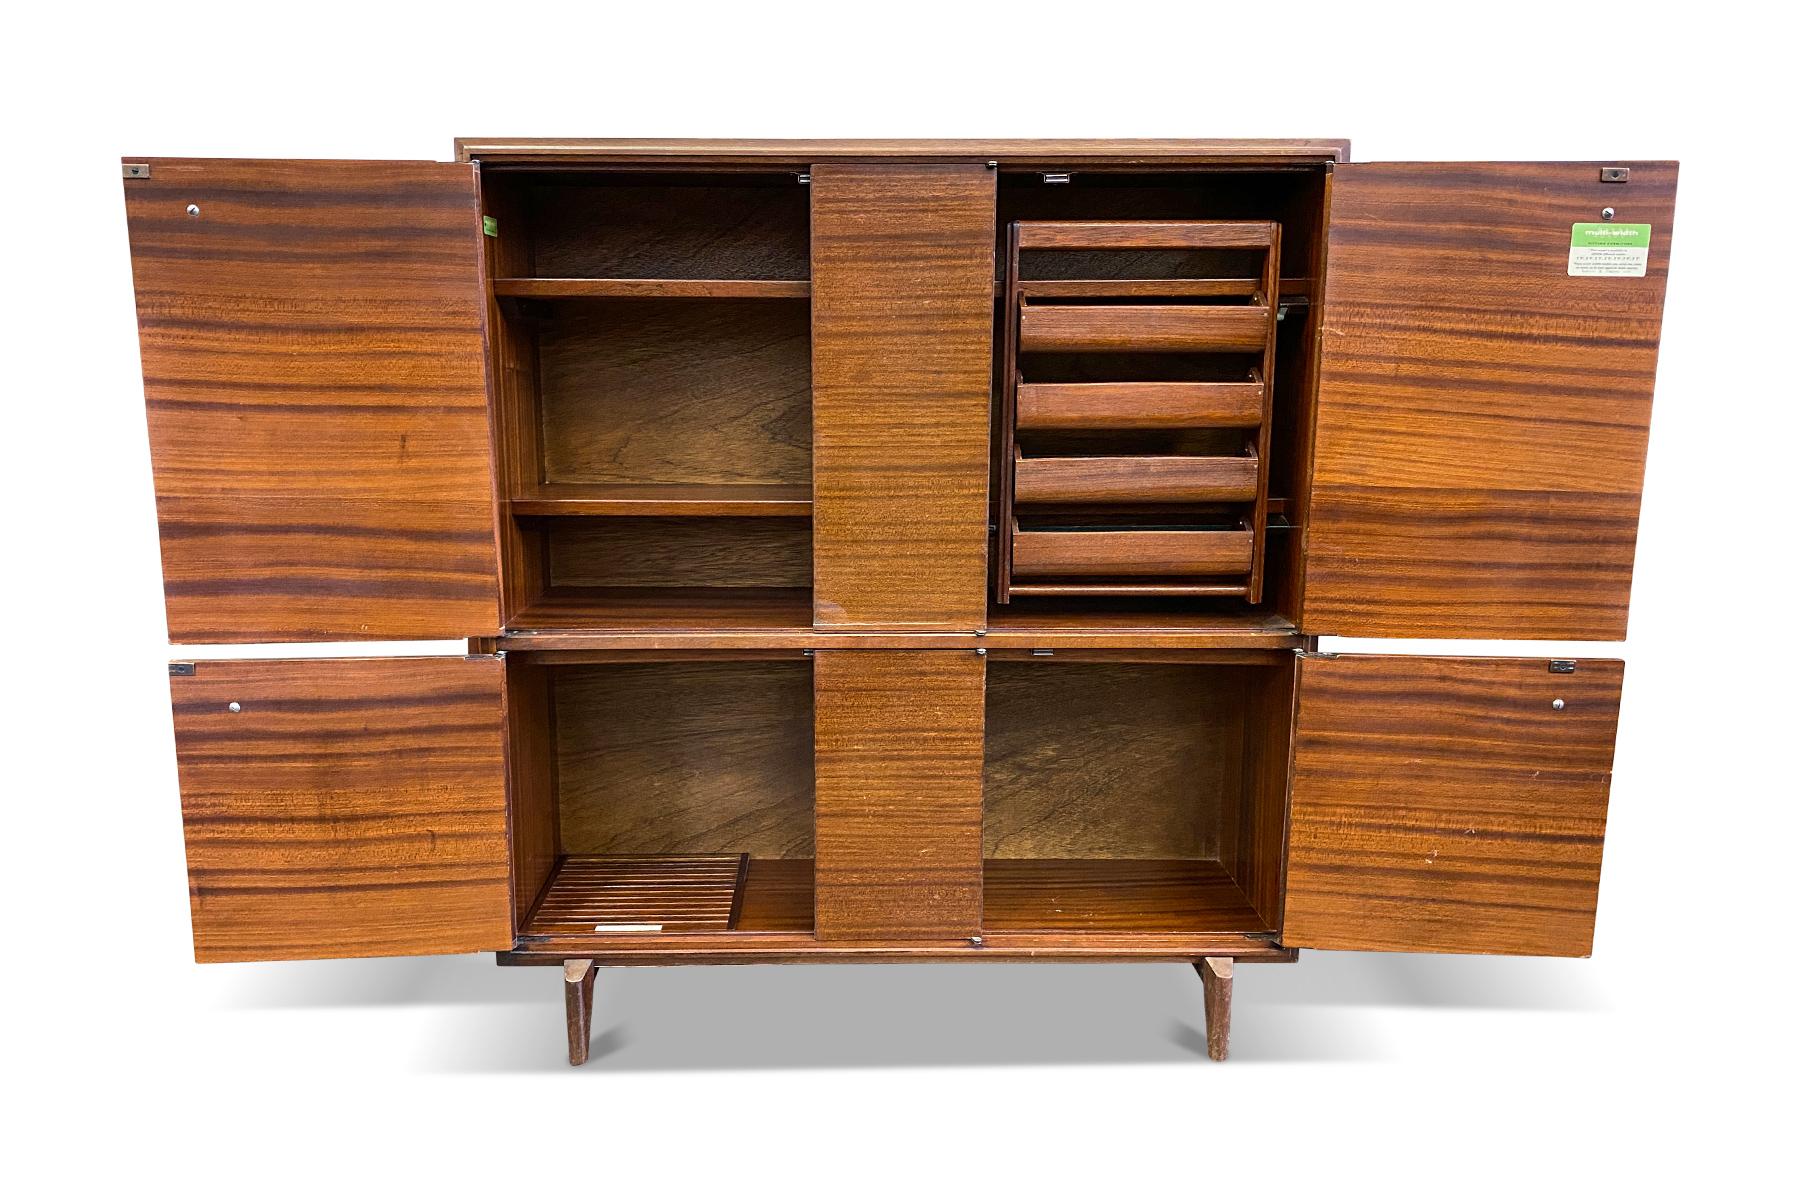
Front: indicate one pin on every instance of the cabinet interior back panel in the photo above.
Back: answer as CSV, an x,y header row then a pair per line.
x,y
676,391
686,758
1109,761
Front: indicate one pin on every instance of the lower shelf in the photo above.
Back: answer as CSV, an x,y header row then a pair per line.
x,y
601,895
670,609
1186,897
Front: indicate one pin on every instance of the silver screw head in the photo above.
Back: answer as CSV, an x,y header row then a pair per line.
x,y
235,708
1607,214
1559,703
193,210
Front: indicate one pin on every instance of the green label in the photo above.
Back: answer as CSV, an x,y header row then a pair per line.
x,y
1609,248
1609,234
491,227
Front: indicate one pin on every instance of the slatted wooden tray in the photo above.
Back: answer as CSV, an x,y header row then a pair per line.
x,y
650,894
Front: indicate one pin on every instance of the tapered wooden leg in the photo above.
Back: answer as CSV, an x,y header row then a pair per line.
x,y
578,995
1215,976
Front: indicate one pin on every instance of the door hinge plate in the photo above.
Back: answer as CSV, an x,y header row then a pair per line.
x,y
136,170
181,669
1615,175
1563,667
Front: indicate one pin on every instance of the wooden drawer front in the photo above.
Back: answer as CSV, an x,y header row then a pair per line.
x,y
346,808
1130,552
1145,406
1128,479
898,748
1143,328
1449,805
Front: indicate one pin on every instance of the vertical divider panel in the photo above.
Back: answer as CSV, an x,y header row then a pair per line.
x,y
902,312
898,758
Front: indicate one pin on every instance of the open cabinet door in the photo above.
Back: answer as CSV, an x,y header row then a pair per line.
x,y
312,338
343,807
1484,398
1449,805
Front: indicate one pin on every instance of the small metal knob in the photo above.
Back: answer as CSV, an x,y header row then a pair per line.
x,y
1559,703
193,210
235,708
1606,214
974,940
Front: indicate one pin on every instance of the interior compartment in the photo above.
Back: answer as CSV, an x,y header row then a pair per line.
x,y
1147,387
1135,792
653,346
663,797
671,572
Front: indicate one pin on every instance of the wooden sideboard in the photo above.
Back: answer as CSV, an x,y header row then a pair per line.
x,y
893,550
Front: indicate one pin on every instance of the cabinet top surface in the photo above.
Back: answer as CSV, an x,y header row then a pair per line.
x,y
1005,150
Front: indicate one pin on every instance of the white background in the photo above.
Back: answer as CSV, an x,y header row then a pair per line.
x,y
1660,1064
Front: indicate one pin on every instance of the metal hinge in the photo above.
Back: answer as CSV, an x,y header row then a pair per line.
x,y
137,170
1615,175
1563,667
181,669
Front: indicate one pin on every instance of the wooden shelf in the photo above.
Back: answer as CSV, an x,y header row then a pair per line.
x,y
594,899
1133,479
1140,287
1187,897
1140,552
571,289
1144,235
1143,328
1018,627
653,610
665,500
1140,406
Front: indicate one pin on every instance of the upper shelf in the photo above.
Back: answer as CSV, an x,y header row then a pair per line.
x,y
549,289
664,500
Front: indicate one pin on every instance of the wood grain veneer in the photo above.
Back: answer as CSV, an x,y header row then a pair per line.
x,y
646,392
1446,805
686,226
1142,328
1165,405
1134,479
352,807
685,758
1482,415
1117,761
898,763
678,552
1194,897
312,342
902,359
1163,553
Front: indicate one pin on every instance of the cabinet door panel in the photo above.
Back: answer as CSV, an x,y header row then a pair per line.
x,y
312,340
903,318
347,808
898,794
1482,414
1448,805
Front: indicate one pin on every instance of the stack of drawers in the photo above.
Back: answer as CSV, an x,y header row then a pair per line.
x,y
1135,425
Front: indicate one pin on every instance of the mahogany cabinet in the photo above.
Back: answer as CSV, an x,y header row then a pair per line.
x,y
895,550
